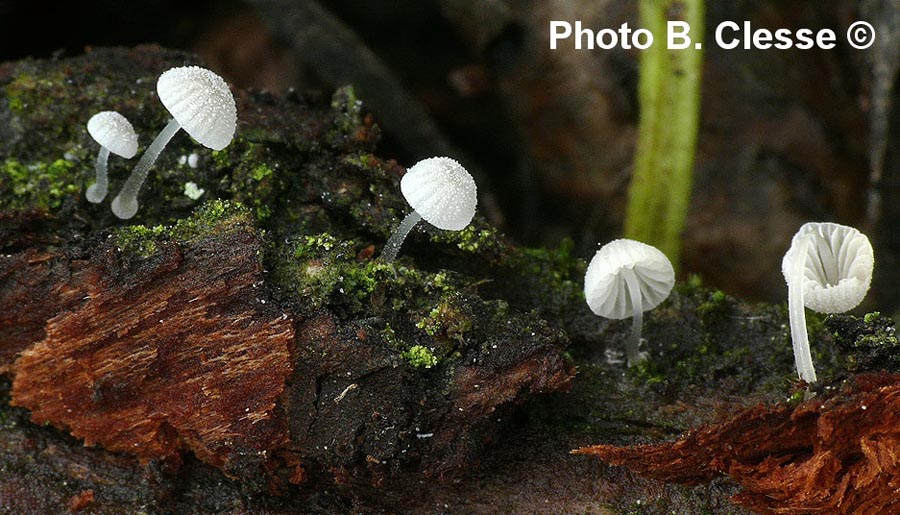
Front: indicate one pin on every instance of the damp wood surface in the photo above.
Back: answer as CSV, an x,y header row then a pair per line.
x,y
247,352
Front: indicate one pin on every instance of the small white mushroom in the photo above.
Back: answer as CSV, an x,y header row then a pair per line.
x,y
827,269
441,192
624,279
115,134
201,104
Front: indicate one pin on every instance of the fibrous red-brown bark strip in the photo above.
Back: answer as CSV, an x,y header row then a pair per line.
x,y
181,356
839,455
26,292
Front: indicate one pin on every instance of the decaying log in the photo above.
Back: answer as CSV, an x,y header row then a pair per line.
x,y
292,370
839,454
177,353
257,331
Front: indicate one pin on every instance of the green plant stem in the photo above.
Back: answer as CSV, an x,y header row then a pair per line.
x,y
669,94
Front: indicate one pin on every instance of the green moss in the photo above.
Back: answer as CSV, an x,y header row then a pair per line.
x,y
443,282
430,324
694,281
558,264
43,185
716,303
693,284
349,114
815,324
213,216
869,343
390,337
549,280
138,239
321,269
221,159
261,171
420,356
446,320
16,103
647,373
471,239
360,281
310,245
250,175
26,91
366,161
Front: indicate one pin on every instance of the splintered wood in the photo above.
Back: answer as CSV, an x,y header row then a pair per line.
x,y
831,456
179,356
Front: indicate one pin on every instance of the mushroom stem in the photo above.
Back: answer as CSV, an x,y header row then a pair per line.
x,y
125,205
632,346
797,314
392,247
97,192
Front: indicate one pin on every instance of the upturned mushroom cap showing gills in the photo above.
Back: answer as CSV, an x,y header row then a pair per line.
x,y
827,269
442,192
838,268
201,103
606,287
114,132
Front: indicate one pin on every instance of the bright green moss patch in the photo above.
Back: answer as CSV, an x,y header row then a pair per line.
x,y
346,283
431,323
43,185
471,239
310,245
211,217
419,356
214,216
16,103
250,176
261,171
139,239
320,269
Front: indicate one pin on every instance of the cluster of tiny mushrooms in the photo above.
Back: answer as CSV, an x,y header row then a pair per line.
x,y
828,267
199,102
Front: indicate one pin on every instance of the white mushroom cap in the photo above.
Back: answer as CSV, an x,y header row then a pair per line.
x,y
201,103
442,192
605,287
113,132
839,266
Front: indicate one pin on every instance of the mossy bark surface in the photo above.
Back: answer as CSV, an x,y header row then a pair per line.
x,y
246,351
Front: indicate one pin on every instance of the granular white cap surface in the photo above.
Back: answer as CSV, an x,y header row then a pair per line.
x,y
442,192
838,268
114,132
605,287
201,103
